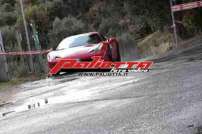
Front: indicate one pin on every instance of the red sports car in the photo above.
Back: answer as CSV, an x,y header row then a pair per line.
x,y
85,46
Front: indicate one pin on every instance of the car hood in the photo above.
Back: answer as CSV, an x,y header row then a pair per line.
x,y
76,52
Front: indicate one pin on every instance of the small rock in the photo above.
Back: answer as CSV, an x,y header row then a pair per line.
x,y
29,106
46,101
192,125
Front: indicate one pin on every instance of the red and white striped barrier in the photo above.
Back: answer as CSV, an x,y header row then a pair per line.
x,y
25,53
186,6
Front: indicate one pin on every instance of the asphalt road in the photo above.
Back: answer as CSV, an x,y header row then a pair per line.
x,y
166,100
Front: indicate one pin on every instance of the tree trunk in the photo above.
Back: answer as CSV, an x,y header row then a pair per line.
x,y
3,63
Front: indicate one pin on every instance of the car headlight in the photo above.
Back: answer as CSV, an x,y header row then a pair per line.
x,y
52,57
48,57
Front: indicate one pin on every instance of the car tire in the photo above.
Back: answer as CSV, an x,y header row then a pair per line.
x,y
118,58
109,54
56,75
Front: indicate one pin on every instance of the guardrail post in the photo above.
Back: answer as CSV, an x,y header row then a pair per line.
x,y
174,24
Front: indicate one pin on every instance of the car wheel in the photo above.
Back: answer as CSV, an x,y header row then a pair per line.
x,y
109,54
56,75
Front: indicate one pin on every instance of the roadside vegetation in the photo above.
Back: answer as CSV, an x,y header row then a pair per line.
x,y
156,43
11,83
17,81
136,23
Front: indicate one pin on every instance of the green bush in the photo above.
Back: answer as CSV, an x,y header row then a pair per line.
x,y
65,27
188,22
15,64
39,16
7,15
9,37
110,27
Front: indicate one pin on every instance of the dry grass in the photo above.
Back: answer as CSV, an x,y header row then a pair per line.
x,y
9,84
155,44
18,81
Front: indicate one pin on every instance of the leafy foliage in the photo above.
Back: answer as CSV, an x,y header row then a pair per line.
x,y
65,27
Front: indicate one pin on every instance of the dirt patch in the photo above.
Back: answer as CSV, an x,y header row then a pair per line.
x,y
160,44
6,94
10,89
155,44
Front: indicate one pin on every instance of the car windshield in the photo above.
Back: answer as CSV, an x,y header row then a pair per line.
x,y
79,40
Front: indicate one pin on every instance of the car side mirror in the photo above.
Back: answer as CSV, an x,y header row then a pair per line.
x,y
54,47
